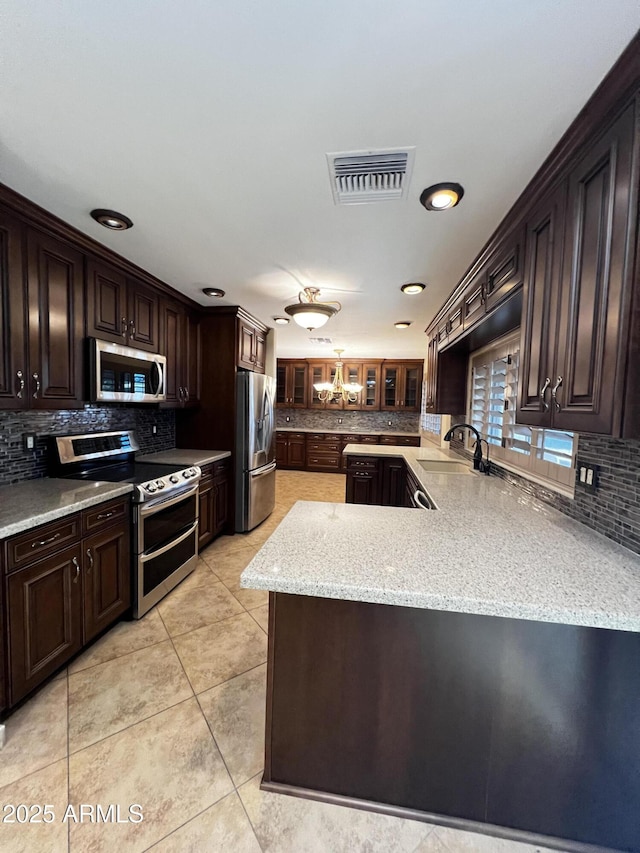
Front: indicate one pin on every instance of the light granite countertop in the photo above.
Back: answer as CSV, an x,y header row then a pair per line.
x,y
178,456
489,549
341,430
34,502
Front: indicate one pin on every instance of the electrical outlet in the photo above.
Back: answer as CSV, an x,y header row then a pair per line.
x,y
339,420
389,423
587,475
460,435
29,441
154,429
288,419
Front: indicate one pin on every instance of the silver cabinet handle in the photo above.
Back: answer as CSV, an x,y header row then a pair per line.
x,y
90,560
46,541
554,393
20,378
132,328
123,326
543,392
75,562
186,394
102,515
36,379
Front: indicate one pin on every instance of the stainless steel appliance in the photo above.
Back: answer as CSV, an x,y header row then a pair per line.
x,y
165,507
255,450
125,375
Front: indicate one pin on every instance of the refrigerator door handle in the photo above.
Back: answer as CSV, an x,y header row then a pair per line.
x,y
262,472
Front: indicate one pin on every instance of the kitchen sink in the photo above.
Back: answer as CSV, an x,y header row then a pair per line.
x,y
443,466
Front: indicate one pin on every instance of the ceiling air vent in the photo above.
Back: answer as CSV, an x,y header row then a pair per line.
x,y
363,177
321,340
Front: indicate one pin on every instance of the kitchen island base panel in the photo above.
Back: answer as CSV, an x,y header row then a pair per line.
x,y
509,726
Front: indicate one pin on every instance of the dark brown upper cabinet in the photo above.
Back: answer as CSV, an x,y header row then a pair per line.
x,y
41,318
291,384
579,282
55,287
121,309
505,268
252,346
13,356
401,386
180,344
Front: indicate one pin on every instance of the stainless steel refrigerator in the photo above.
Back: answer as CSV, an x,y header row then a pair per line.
x,y
255,445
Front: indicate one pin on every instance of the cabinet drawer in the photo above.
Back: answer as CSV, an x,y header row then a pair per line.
x,y
318,461
41,541
221,468
370,439
325,436
323,447
351,439
361,463
287,436
105,514
207,471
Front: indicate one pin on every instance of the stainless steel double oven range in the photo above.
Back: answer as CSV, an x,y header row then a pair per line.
x,y
165,507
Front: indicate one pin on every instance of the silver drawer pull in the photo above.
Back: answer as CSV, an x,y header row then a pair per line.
x,y
36,378
46,541
75,562
554,393
543,392
89,555
102,515
20,378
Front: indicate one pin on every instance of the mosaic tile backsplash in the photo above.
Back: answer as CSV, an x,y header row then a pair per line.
x,y
18,464
614,509
327,421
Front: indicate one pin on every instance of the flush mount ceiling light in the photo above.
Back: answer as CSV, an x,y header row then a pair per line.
x,y
112,219
337,389
413,287
213,291
281,321
308,312
441,196
403,324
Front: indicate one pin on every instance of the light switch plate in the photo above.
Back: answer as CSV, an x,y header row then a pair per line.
x,y
587,475
29,441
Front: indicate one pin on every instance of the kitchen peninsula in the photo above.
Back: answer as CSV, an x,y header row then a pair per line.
x,y
476,665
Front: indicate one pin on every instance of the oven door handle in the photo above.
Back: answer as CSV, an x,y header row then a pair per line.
x,y
152,554
155,506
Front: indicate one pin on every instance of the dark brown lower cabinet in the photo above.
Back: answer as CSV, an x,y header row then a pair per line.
x,y
44,604
500,725
291,450
107,579
214,501
393,482
61,601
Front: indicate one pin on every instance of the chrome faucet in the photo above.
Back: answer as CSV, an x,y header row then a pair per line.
x,y
479,463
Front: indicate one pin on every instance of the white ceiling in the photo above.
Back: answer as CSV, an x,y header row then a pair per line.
x,y
208,123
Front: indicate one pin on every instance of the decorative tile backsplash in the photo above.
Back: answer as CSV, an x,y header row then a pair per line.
x,y
18,464
326,421
614,508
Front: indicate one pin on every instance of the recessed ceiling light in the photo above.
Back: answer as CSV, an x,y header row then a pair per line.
x,y
213,291
281,321
413,287
441,196
112,219
403,324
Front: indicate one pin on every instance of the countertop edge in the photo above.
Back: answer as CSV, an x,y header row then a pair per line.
x,y
112,491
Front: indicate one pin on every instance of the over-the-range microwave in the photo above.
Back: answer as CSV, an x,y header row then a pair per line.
x,y
125,375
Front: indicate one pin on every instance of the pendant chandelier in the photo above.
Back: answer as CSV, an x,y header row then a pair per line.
x,y
338,389
308,312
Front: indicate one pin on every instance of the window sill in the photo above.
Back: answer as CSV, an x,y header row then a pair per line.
x,y
566,491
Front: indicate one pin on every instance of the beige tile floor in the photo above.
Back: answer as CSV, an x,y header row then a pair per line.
x,y
168,712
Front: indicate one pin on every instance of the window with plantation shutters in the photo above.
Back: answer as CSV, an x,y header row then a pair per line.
x,y
493,395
